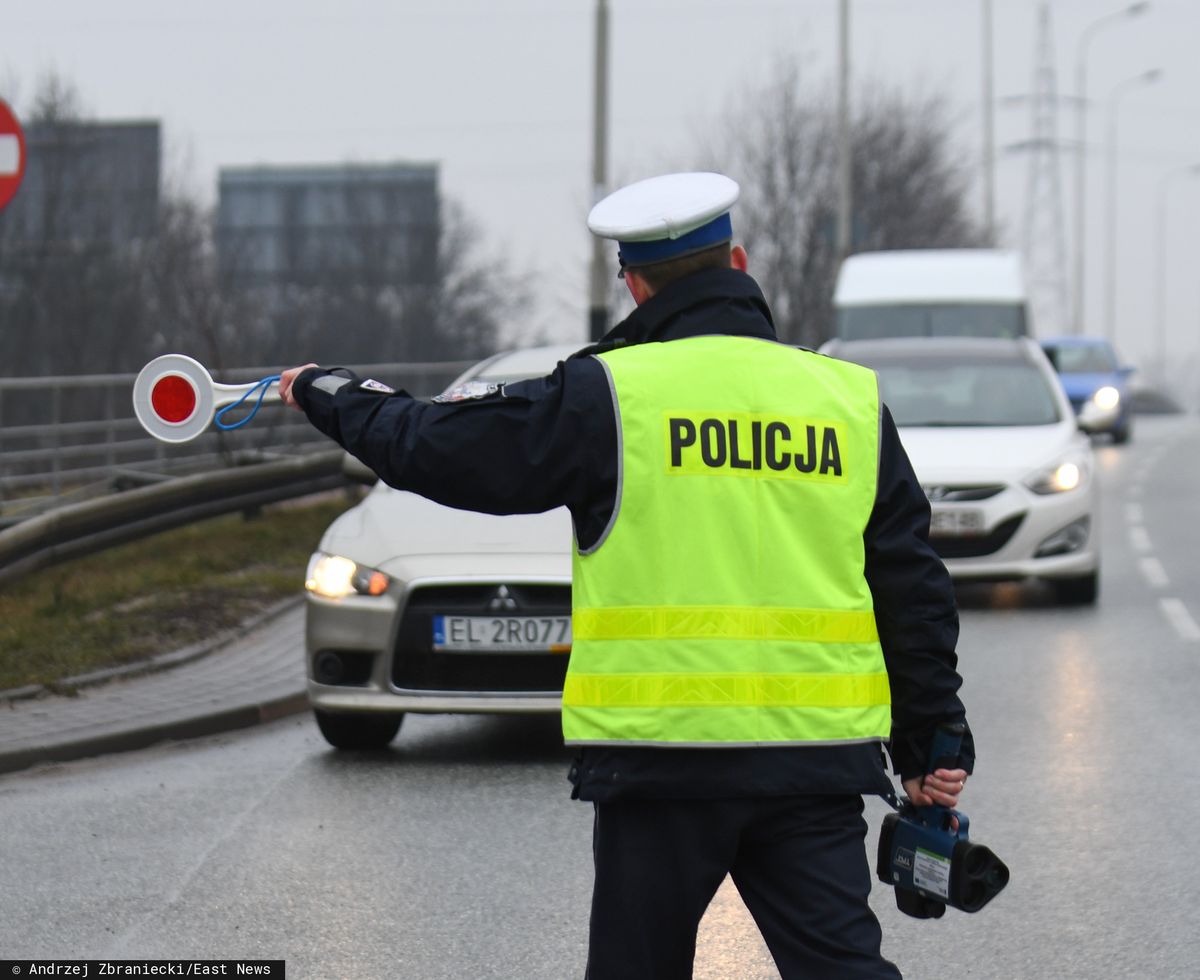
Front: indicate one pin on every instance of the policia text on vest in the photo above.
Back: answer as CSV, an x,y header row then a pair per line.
x,y
747,444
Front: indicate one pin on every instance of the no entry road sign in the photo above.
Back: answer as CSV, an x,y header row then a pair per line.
x,y
12,154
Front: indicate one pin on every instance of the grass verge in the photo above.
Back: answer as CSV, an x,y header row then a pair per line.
x,y
156,595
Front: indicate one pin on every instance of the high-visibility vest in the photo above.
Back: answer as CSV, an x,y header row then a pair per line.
x,y
726,603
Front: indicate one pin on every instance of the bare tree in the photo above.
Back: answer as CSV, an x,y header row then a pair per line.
x,y
474,295
186,305
909,188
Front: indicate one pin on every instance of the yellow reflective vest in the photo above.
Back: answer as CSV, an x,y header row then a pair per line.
x,y
726,603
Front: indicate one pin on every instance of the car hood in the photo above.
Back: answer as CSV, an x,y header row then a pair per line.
x,y
977,453
402,533
1083,385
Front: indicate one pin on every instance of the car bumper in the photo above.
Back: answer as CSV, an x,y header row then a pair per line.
x,y
1039,519
1062,566
340,700
368,637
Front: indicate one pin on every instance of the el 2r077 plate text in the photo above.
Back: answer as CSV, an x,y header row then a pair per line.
x,y
502,634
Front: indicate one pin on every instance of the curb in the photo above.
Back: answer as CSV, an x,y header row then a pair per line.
x,y
144,736
163,661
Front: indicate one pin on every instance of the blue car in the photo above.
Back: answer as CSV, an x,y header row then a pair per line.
x,y
1095,382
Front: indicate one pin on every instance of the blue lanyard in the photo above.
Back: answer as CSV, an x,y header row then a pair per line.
x,y
259,386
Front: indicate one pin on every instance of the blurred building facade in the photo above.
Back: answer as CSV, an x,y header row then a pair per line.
x,y
279,227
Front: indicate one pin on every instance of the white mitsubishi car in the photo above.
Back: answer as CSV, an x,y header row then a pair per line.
x,y
993,439
416,607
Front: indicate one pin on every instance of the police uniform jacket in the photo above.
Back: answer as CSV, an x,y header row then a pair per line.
x,y
534,445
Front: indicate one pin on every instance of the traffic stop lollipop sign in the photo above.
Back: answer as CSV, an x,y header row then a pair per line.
x,y
176,399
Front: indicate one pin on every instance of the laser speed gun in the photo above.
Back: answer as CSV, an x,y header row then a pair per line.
x,y
929,864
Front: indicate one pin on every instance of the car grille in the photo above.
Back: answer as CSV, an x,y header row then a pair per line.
x,y
957,493
416,667
976,546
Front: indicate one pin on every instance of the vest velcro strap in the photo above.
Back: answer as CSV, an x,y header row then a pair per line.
x,y
725,623
726,690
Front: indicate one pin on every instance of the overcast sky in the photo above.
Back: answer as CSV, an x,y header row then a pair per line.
x,y
499,93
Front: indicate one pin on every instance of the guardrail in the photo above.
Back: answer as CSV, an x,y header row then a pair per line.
x,y
71,437
79,529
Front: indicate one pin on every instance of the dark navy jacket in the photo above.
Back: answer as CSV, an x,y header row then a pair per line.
x,y
536,445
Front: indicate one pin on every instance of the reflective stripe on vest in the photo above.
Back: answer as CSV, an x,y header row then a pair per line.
x,y
642,622
726,603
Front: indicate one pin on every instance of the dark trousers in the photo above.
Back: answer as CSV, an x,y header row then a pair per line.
x,y
799,863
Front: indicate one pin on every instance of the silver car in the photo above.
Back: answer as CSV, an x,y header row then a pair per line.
x,y
412,606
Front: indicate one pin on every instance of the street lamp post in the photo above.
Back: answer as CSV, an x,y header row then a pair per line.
x,y
598,290
1081,107
1110,265
845,186
1160,319
989,149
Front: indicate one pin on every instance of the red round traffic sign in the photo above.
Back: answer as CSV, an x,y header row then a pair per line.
x,y
12,154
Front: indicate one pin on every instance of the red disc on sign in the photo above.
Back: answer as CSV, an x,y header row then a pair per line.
x,y
12,154
173,398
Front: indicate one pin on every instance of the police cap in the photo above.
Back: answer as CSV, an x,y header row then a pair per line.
x,y
666,217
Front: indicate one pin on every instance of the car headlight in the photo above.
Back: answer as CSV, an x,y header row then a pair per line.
x,y
335,577
1068,473
1106,398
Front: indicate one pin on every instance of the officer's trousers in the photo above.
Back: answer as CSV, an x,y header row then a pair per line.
x,y
799,863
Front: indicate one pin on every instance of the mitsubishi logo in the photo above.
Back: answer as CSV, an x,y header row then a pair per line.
x,y
502,599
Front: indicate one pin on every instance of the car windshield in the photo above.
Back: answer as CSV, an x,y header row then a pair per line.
x,y
931,320
965,391
1082,358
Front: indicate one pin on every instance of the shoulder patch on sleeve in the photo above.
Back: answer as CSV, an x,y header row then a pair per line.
x,y
372,385
469,391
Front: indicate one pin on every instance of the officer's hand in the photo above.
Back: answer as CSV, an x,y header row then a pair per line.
x,y
942,786
286,380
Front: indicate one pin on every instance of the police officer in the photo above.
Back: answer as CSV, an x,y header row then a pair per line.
x,y
756,605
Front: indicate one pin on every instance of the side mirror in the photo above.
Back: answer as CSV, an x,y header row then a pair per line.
x,y
1126,370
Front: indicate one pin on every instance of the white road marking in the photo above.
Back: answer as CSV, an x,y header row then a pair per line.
x,y
1139,538
1133,513
1154,572
1179,617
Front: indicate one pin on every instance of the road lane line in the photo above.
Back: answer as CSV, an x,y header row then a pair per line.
x,y
1139,538
1154,572
1176,612
1133,513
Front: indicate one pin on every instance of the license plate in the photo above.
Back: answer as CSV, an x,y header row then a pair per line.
x,y
502,634
955,523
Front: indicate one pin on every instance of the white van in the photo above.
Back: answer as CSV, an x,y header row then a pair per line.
x,y
961,292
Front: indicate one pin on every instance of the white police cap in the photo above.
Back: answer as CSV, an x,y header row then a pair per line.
x,y
666,217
